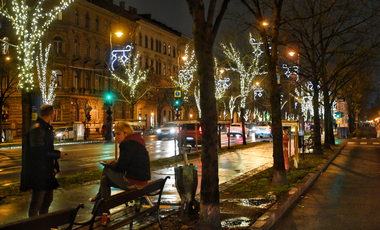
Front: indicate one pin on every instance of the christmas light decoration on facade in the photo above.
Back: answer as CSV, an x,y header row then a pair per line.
x,y
42,60
121,56
186,74
30,25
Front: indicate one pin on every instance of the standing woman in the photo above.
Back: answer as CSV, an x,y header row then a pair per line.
x,y
131,170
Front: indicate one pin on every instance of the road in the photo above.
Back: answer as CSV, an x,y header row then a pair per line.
x,y
84,157
345,195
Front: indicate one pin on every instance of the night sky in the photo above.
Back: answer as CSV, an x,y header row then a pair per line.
x,y
173,13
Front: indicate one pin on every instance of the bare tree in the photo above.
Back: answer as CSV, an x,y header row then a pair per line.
x,y
205,29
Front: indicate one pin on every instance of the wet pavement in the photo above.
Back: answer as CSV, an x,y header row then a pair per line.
x,y
234,166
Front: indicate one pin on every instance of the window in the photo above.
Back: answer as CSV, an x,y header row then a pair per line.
x,y
59,79
76,47
156,45
58,112
169,51
75,79
88,48
88,79
151,65
173,51
97,24
146,41
173,69
140,39
5,47
87,20
96,82
164,69
164,48
159,68
97,51
159,46
58,43
59,16
151,43
76,16
146,63
75,111
106,26
140,60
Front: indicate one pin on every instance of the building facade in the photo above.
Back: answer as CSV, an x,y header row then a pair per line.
x,y
82,38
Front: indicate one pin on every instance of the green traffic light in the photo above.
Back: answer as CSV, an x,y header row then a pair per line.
x,y
177,102
108,97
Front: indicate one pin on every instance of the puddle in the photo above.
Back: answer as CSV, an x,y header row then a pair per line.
x,y
236,222
253,202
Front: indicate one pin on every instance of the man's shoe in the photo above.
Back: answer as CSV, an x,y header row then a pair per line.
x,y
95,199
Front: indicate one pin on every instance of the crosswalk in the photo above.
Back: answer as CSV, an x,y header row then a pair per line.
x,y
364,141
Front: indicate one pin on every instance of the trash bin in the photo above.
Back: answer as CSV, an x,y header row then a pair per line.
x,y
186,181
8,135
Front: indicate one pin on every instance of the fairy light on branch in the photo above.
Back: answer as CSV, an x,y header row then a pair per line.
x,y
221,83
247,70
42,60
197,95
30,25
186,73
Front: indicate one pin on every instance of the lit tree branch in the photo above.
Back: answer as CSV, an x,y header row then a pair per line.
x,y
42,76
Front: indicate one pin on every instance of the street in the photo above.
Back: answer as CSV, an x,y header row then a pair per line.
x,y
345,195
84,157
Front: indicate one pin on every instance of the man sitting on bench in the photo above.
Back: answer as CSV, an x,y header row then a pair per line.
x,y
132,169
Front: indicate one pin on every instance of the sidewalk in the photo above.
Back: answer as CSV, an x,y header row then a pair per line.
x,y
233,166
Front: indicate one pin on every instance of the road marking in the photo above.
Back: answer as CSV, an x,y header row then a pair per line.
x,y
351,143
363,143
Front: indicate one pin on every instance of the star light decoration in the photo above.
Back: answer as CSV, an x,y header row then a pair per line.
x,y
305,98
121,56
186,74
42,61
288,73
247,73
30,25
133,77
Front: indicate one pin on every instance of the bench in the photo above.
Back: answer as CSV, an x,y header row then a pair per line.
x,y
124,217
46,221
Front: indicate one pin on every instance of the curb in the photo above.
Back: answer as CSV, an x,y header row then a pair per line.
x,y
277,211
56,144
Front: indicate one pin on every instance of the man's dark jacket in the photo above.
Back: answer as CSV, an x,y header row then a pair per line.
x,y
41,163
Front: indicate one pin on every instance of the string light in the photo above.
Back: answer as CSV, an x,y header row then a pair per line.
x,y
42,76
221,84
186,73
30,28
197,95
247,71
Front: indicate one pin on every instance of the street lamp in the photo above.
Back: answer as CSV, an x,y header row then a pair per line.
x,y
109,98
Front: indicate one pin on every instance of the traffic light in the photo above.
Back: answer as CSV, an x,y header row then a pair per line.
x,y
108,99
88,117
5,116
177,104
339,114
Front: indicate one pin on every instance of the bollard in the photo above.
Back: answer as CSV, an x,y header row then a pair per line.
x,y
285,141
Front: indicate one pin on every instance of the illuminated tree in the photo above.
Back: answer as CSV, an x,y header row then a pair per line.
x,y
247,69
131,78
186,73
47,92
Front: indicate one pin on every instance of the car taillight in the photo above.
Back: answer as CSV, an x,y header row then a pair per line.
x,y
200,130
179,130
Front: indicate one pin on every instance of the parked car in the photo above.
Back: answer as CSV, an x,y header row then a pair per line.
x,y
236,129
63,133
167,131
263,128
191,134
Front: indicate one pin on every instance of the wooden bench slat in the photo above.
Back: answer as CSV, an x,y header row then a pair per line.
x,y
46,221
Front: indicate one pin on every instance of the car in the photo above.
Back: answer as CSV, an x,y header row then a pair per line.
x,y
191,134
263,128
236,129
168,130
63,133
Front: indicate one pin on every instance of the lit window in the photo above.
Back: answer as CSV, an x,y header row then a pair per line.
x,y
58,112
59,80
59,16
169,50
75,79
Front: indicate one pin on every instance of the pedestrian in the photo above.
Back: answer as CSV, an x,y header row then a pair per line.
x,y
378,130
41,163
132,169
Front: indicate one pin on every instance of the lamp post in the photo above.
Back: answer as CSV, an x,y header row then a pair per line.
x,y
109,103
292,53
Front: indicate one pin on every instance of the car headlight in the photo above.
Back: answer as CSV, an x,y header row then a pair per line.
x,y
172,130
158,130
59,134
